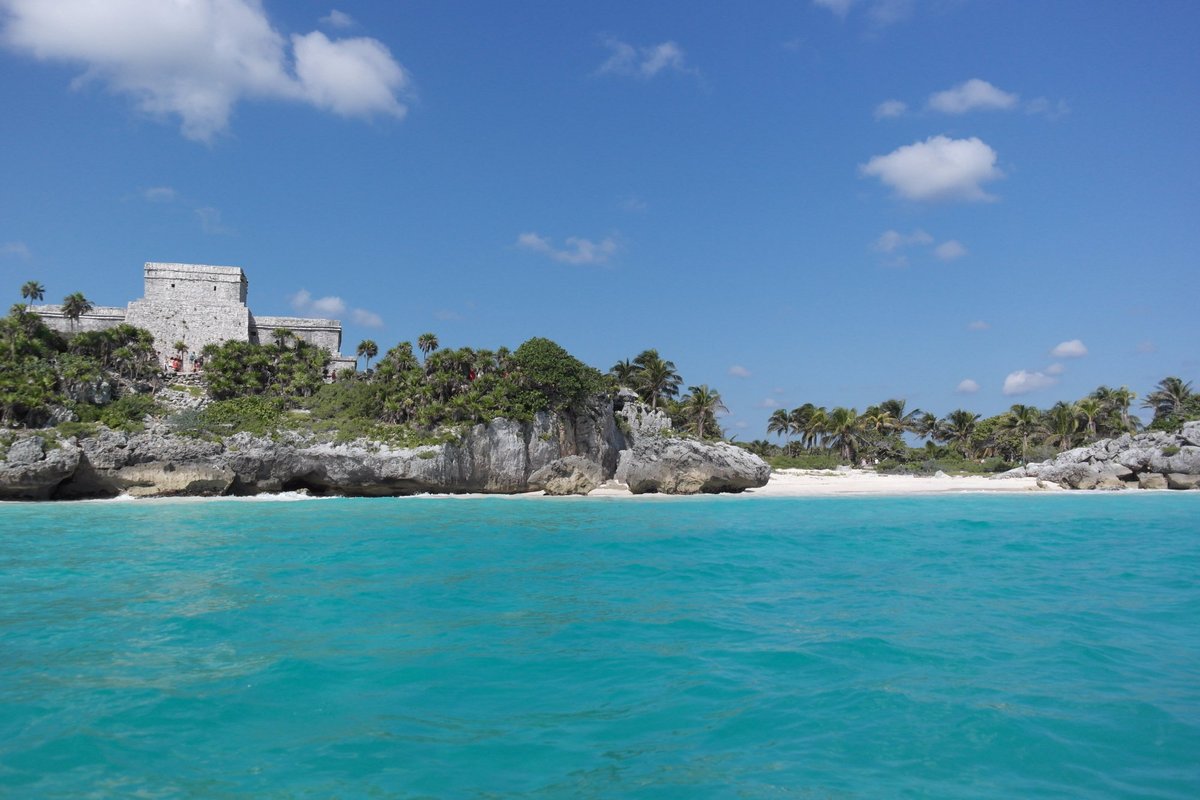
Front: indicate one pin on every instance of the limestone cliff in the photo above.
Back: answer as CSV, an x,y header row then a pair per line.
x,y
498,457
1151,460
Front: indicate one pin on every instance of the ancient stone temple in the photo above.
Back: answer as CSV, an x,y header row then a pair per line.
x,y
198,305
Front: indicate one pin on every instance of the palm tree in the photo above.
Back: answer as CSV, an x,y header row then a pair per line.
x,y
1062,420
904,421
844,428
427,343
703,404
1089,408
368,349
624,373
880,421
1168,397
74,306
657,378
817,428
32,290
282,336
779,422
928,426
1122,398
957,428
1024,421
800,418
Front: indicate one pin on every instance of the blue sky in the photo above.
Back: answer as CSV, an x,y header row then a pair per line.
x,y
958,202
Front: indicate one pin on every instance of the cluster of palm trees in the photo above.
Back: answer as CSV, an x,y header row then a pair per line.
x,y
368,349
844,430
1173,398
74,305
878,431
657,382
654,378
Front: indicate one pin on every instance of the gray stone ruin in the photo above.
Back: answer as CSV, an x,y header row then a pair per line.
x,y
198,304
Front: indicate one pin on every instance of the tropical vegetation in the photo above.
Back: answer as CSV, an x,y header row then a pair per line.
x,y
1021,434
111,376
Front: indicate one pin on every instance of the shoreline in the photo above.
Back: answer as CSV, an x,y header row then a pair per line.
x,y
783,483
787,483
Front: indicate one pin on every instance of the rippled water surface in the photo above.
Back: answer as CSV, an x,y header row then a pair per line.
x,y
966,647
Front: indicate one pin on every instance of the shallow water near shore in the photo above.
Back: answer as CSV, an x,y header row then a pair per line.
x,y
954,646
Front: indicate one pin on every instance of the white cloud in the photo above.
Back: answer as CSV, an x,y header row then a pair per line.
x,y
967,386
972,95
368,319
577,250
977,325
1055,369
950,250
1023,382
210,221
890,108
890,241
887,12
338,19
643,62
1043,106
329,305
18,249
1146,347
197,59
304,303
938,168
159,194
738,371
838,7
880,13
1070,349
350,77
446,315
332,306
769,402
633,204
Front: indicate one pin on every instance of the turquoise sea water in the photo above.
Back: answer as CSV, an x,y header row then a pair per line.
x,y
965,647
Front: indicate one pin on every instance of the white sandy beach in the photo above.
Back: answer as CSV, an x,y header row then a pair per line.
x,y
805,483
783,483
824,483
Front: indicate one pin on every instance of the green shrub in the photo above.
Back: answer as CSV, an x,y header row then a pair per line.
x,y
805,461
79,430
127,413
188,422
256,414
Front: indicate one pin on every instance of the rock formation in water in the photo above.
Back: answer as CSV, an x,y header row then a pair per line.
x,y
1152,460
562,453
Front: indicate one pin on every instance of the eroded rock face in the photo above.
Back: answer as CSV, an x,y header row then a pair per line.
x,y
168,479
32,471
1151,460
570,475
568,453
688,466
1176,480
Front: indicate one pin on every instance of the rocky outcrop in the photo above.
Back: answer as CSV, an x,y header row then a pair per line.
x,y
687,466
32,471
1153,460
166,479
561,453
570,475
638,420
